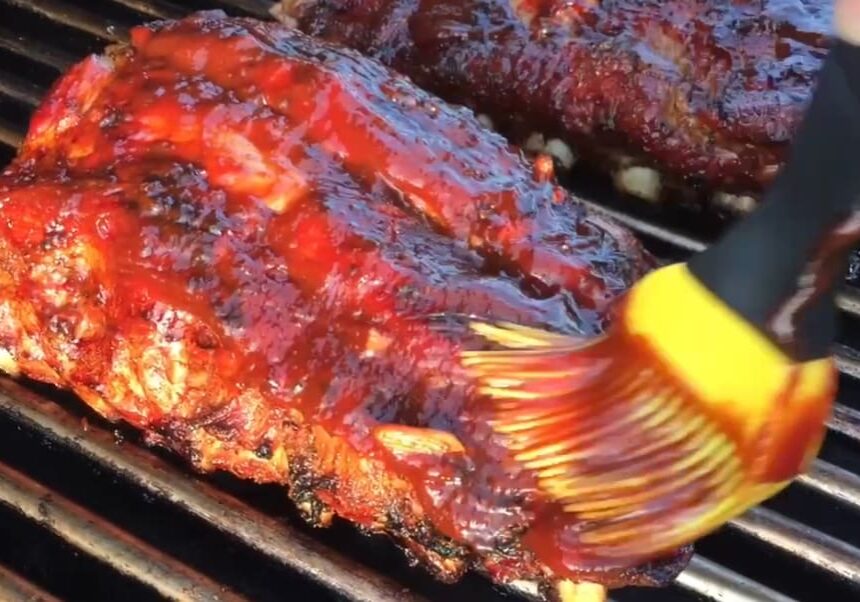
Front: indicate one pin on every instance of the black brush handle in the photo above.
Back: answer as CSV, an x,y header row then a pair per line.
x,y
779,267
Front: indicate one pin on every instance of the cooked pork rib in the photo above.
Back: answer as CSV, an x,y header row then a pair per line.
x,y
674,96
260,249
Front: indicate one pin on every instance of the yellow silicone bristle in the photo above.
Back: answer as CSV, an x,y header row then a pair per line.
x,y
652,435
615,450
515,336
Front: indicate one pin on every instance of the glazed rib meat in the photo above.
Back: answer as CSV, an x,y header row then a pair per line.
x,y
677,98
262,251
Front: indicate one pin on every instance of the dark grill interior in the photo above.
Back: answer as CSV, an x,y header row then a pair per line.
x,y
89,514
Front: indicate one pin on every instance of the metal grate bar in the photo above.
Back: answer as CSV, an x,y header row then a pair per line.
x,y
159,10
103,541
14,588
848,301
271,537
847,361
833,481
168,9
73,16
804,542
647,228
715,582
845,421
35,50
10,137
105,29
25,93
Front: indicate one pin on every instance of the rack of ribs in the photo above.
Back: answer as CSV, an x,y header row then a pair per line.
x,y
676,99
262,250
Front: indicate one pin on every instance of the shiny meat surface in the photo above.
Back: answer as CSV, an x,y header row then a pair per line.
x,y
706,92
261,251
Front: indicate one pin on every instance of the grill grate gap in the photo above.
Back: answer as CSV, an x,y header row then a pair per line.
x,y
11,128
6,154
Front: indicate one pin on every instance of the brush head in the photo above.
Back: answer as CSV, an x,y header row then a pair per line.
x,y
680,418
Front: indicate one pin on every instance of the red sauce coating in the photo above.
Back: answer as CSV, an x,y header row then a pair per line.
x,y
260,249
708,92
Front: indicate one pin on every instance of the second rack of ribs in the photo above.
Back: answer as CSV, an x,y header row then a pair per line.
x,y
705,93
260,250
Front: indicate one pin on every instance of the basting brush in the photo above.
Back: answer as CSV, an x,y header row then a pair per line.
x,y
710,391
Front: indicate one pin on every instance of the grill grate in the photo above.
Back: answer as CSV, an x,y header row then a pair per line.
x,y
104,542
13,588
803,545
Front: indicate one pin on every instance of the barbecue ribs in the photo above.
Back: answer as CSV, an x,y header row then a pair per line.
x,y
261,249
690,99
